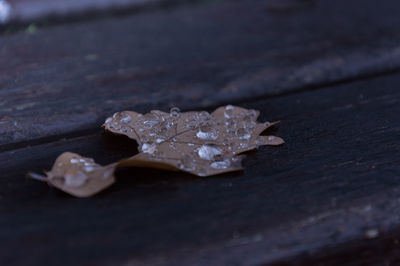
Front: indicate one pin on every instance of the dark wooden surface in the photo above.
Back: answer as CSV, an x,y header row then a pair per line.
x,y
67,78
23,12
327,69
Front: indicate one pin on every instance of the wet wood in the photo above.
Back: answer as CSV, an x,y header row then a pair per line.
x,y
334,184
34,11
63,80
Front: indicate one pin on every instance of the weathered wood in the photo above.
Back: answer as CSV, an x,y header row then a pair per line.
x,y
31,11
68,78
336,177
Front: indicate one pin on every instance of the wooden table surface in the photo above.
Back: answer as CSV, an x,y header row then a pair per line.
x,y
329,70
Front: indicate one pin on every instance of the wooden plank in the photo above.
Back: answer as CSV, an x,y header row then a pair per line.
x,y
335,180
31,11
68,78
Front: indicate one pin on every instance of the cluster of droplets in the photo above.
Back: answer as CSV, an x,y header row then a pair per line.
x,y
239,126
156,128
234,131
120,122
78,175
87,164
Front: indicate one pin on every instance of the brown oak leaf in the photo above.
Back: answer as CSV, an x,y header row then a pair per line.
x,y
199,143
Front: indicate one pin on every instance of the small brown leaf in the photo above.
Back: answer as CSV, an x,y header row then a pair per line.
x,y
79,176
195,142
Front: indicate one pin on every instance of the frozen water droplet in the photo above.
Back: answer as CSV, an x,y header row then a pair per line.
x,y
228,113
208,152
190,144
174,112
149,148
74,160
243,134
271,138
207,133
108,120
187,163
75,179
267,124
221,164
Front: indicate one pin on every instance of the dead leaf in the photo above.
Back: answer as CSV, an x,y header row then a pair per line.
x,y
78,176
199,143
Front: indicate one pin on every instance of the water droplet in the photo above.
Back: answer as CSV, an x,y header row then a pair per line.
x,y
149,148
243,134
228,113
108,120
172,145
126,118
221,164
207,133
204,115
89,168
191,122
243,145
190,144
248,122
236,162
218,157
162,130
75,179
187,163
174,112
74,160
159,140
230,125
208,152
149,123
267,124
271,138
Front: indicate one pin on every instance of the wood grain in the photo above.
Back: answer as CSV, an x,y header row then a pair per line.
x,y
336,177
34,11
63,80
